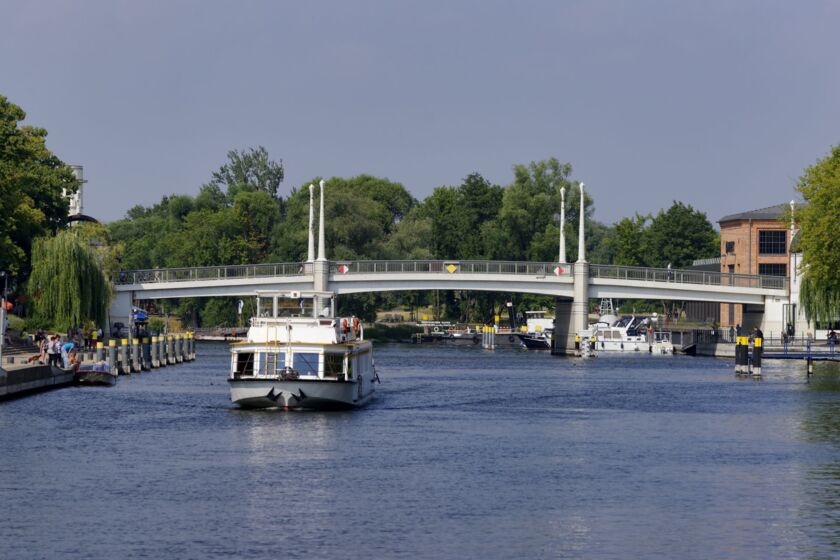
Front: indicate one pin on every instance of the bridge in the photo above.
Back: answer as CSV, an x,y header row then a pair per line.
x,y
571,284
543,278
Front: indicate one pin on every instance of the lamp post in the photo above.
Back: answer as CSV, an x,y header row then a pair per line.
x,y
562,257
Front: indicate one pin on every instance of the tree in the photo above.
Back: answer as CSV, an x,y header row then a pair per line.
x,y
67,285
678,236
627,239
249,170
31,182
818,240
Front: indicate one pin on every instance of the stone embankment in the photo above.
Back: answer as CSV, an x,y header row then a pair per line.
x,y
19,376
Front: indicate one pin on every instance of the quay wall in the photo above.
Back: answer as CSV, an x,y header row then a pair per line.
x,y
16,381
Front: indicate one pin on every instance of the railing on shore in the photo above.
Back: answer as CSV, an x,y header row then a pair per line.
x,y
539,269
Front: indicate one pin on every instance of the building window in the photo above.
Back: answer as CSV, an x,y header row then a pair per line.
x,y
772,242
730,247
768,269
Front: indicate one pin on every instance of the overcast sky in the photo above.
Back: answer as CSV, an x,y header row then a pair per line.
x,y
717,104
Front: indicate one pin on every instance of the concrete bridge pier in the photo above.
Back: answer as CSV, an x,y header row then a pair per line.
x,y
563,340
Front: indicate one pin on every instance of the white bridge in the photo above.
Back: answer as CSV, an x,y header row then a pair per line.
x,y
572,285
544,278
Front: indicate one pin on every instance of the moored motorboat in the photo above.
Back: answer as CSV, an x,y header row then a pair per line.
x,y
537,330
98,373
301,362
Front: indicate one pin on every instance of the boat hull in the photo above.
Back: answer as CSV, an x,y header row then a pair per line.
x,y
89,377
535,343
300,394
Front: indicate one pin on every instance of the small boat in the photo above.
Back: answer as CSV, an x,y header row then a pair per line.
x,y
301,362
536,341
98,373
537,332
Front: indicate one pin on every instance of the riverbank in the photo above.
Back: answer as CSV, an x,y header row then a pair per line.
x,y
21,380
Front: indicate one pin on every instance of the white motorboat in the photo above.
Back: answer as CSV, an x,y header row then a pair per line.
x,y
297,362
628,334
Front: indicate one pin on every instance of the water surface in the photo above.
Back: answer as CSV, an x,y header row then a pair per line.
x,y
464,453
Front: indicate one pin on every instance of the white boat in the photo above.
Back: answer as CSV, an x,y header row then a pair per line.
x,y
628,334
299,362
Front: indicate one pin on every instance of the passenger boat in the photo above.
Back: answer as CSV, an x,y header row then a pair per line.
x,y
301,362
98,373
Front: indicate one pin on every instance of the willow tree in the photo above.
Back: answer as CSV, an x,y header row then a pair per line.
x,y
819,240
67,285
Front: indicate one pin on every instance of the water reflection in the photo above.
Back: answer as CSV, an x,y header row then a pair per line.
x,y
820,512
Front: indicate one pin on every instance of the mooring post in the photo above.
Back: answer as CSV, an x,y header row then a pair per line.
x,y
100,351
136,366
162,361
154,353
758,350
112,356
170,350
146,354
179,348
125,360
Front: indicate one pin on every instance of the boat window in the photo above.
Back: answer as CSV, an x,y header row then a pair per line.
x,y
305,363
270,362
333,364
244,364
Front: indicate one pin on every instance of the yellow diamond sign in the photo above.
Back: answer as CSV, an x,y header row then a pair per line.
x,y
451,268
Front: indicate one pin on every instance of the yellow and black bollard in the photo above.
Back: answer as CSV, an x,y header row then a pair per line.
x,y
758,350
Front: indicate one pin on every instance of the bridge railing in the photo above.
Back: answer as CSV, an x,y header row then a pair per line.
x,y
686,277
451,267
212,273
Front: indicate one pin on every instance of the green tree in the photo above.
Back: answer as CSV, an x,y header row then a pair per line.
x,y
249,170
818,221
677,236
67,285
627,241
31,182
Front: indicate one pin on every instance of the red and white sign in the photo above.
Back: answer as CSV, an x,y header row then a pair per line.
x,y
558,270
344,269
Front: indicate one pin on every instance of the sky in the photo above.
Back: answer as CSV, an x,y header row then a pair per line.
x,y
718,104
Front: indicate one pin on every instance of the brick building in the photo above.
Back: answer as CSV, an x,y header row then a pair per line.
x,y
754,242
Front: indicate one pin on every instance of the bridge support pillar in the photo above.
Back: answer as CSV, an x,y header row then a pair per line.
x,y
580,305
120,311
563,339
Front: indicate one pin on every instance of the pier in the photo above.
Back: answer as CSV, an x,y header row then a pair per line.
x,y
20,377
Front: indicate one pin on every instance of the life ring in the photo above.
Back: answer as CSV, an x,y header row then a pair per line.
x,y
356,326
344,325
437,329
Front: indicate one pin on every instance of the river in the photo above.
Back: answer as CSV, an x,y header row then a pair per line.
x,y
464,453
